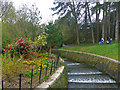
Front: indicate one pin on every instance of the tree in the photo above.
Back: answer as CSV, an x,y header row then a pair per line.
x,y
97,8
93,39
8,19
73,8
97,21
103,21
85,6
30,18
65,26
101,26
108,20
24,22
54,38
8,13
117,22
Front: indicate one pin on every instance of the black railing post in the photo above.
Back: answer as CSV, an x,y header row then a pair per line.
x,y
31,77
46,69
51,67
40,72
57,60
2,84
20,81
54,66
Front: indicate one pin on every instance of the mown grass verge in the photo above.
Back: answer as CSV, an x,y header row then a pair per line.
x,y
110,50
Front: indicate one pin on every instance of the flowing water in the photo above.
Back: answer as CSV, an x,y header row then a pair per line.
x,y
82,77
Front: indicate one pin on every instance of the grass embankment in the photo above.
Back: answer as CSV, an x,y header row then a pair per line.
x,y
110,50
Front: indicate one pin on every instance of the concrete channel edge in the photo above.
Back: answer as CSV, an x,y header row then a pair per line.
x,y
45,85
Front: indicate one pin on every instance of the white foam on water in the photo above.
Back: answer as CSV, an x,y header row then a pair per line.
x,y
85,73
73,64
78,80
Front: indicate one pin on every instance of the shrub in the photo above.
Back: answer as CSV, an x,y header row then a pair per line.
x,y
21,47
11,66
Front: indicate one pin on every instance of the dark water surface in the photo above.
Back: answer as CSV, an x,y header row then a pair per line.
x,y
83,77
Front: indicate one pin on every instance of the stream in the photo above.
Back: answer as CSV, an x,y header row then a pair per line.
x,y
82,77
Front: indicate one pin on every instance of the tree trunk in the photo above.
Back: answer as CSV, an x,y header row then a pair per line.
x,y
85,16
77,32
117,23
103,29
109,21
113,26
104,22
93,40
76,24
97,23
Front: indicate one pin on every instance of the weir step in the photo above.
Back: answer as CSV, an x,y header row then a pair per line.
x,y
83,77
93,85
83,70
96,73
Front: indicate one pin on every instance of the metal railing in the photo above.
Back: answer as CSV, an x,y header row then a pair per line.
x,y
31,81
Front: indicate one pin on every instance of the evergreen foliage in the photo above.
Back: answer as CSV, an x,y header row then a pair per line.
x,y
54,38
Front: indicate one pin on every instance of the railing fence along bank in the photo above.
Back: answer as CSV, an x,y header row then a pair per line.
x,y
31,81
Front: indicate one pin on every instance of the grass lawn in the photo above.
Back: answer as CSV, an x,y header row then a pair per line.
x,y
104,50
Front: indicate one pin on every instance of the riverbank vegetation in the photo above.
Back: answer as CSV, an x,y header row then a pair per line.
x,y
26,45
30,59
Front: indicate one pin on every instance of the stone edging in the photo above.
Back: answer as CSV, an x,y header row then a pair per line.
x,y
104,57
52,78
105,64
